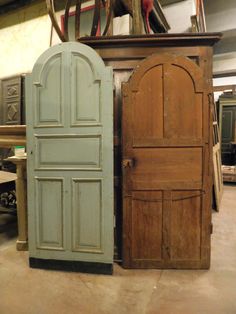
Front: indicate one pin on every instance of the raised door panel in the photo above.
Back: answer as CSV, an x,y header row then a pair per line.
x,y
163,167
147,111
185,226
85,89
50,94
147,217
79,152
87,215
50,205
183,106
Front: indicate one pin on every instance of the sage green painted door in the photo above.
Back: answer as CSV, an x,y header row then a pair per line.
x,y
70,156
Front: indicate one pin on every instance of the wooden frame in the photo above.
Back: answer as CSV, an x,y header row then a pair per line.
x,y
12,135
198,20
223,88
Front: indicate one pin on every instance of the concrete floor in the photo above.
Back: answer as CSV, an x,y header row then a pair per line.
x,y
31,291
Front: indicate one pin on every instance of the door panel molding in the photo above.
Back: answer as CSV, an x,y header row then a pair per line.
x,y
87,215
49,190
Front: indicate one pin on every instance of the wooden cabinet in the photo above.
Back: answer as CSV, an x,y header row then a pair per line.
x,y
227,118
167,147
13,99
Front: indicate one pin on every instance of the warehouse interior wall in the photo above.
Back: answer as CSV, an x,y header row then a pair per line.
x,y
26,34
220,17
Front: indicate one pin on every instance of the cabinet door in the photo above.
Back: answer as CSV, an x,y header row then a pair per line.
x,y
166,165
228,133
70,160
12,100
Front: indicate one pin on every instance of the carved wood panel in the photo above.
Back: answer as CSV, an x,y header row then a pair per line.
x,y
12,100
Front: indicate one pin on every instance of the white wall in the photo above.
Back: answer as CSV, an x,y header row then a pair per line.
x,y
225,62
24,40
220,15
178,15
230,80
24,36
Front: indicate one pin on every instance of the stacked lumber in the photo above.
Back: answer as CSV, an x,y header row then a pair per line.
x,y
229,173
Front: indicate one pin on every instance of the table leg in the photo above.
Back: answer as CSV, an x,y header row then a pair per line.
x,y
21,197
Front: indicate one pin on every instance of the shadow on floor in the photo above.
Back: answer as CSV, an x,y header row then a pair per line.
x,y
8,227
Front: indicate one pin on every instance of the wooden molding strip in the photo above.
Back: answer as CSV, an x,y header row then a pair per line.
x,y
12,135
224,87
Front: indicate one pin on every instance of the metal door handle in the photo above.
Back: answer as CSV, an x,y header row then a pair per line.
x,y
128,163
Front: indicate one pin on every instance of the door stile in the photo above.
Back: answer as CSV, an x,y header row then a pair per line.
x,y
127,190
207,184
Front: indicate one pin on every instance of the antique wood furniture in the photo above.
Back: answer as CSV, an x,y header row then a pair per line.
x,y
167,154
21,196
7,185
12,136
64,35
167,180
233,145
70,160
7,181
227,125
12,100
229,173
144,13
217,173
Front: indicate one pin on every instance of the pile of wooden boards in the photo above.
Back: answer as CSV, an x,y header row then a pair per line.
x,y
229,173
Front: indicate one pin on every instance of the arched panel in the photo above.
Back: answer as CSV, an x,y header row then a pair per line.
x,y
183,111
85,93
168,99
148,105
155,60
48,111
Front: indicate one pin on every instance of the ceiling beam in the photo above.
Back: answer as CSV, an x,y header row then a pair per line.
x,y
14,5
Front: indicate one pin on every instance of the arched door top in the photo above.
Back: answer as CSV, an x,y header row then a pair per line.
x,y
167,60
83,51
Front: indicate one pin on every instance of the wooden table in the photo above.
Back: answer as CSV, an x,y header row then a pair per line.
x,y
7,181
21,197
14,135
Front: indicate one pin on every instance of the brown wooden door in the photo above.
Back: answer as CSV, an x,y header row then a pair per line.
x,y
166,165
